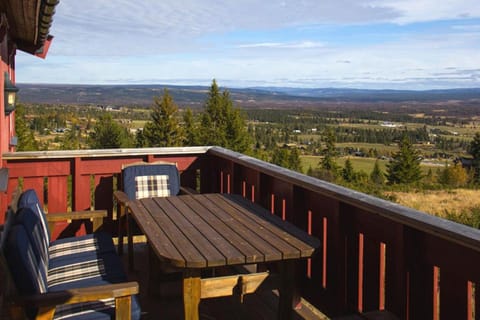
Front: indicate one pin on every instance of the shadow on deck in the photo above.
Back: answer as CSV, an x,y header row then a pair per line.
x,y
168,303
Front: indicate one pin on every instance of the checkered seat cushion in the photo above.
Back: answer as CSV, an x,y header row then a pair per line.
x,y
88,244
151,186
150,180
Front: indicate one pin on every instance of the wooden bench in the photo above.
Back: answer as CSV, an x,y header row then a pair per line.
x,y
71,277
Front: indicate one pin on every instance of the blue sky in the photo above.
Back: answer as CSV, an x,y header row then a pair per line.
x,y
375,44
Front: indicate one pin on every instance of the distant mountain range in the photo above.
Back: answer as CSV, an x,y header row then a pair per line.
x,y
194,96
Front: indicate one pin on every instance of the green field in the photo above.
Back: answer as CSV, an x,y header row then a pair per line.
x,y
361,164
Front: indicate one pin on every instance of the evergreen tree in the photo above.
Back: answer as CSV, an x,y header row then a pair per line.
x,y
191,131
212,124
474,150
294,161
289,159
140,140
377,176
26,138
164,129
329,153
71,140
280,157
404,168
348,174
221,124
109,134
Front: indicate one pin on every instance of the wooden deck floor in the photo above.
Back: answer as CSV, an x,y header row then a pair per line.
x,y
167,302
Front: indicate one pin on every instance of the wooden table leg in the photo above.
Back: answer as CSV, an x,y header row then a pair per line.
x,y
129,239
286,290
191,293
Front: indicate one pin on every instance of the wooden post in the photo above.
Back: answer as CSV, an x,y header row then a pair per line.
x,y
123,307
191,293
286,290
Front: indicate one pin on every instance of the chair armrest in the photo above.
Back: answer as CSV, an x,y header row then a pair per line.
x,y
76,215
95,216
121,197
77,295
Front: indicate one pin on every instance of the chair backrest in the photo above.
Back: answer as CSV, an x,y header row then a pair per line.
x,y
31,221
29,199
147,180
27,272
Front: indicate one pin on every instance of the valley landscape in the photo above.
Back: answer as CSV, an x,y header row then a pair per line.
x,y
367,125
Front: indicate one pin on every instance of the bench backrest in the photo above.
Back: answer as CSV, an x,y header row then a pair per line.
x,y
23,270
29,199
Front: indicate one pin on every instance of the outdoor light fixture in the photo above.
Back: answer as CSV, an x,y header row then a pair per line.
x,y
10,92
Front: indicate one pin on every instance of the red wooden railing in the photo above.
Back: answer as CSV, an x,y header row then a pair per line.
x,y
376,255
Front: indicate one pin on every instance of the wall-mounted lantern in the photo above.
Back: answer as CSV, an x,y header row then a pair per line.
x,y
10,92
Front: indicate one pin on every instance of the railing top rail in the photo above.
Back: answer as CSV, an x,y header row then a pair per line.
x,y
92,153
458,233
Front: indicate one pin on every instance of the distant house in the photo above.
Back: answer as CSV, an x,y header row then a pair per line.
x,y
389,124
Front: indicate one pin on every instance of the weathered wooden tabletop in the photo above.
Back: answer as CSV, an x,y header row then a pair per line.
x,y
211,230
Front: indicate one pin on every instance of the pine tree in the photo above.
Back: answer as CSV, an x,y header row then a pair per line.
x,y
212,124
474,150
329,153
140,140
191,131
280,157
164,129
294,161
221,124
109,134
289,159
348,174
71,140
404,168
26,138
377,176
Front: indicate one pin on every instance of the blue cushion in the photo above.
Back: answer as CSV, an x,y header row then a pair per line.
x,y
29,199
28,275
77,272
86,245
129,174
32,217
33,226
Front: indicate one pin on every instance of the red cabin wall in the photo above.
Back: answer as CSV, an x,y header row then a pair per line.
x,y
7,65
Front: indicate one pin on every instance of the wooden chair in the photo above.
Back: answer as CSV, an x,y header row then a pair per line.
x,y
143,180
70,284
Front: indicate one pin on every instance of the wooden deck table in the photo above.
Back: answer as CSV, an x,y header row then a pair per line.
x,y
196,232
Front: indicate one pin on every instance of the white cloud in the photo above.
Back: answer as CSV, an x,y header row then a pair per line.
x,y
430,10
104,41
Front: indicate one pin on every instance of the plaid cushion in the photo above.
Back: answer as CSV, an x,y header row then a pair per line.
x,y
74,247
151,186
76,271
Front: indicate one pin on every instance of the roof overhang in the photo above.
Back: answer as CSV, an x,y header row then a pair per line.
x,y
29,23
